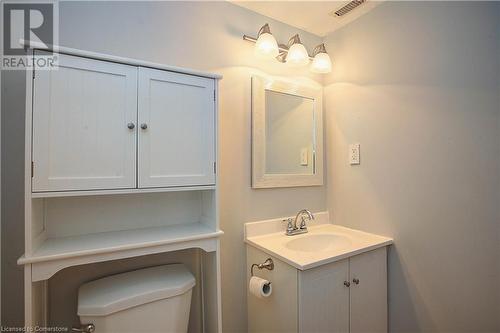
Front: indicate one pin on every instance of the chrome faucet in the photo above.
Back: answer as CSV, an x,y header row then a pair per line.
x,y
292,228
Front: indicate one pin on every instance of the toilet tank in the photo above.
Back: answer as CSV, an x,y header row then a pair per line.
x,y
151,300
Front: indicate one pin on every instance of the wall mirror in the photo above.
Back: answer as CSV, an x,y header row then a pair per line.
x,y
287,134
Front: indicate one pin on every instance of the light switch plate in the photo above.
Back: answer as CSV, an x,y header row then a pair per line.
x,y
304,154
354,154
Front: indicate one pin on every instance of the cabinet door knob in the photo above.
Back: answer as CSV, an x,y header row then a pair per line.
x,y
131,125
347,284
144,126
356,281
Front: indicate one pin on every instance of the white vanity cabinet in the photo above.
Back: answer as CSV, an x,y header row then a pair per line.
x,y
345,296
349,295
101,125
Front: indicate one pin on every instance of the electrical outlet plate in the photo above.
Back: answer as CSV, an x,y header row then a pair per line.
x,y
354,154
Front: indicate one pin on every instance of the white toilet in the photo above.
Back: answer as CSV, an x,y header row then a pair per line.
x,y
155,299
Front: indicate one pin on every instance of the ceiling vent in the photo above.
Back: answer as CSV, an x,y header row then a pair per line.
x,y
347,8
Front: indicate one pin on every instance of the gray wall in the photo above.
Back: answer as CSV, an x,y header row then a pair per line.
x,y
13,94
417,84
205,36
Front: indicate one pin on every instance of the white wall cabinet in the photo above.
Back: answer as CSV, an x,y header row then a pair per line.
x,y
344,296
100,125
176,135
80,136
101,188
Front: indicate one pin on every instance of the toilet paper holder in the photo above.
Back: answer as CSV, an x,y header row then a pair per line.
x,y
268,264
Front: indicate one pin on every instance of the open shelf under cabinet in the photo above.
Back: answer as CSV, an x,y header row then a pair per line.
x,y
55,254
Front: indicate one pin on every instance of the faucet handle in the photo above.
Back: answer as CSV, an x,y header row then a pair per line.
x,y
302,223
289,225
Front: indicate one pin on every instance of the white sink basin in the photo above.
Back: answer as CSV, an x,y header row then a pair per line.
x,y
324,243
318,242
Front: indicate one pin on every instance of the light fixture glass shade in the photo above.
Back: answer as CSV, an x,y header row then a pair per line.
x,y
321,63
266,46
297,55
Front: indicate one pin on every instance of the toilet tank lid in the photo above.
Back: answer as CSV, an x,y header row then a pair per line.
x,y
123,291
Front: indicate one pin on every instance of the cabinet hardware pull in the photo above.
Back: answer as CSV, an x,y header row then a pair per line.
x,y
347,284
131,125
144,126
356,281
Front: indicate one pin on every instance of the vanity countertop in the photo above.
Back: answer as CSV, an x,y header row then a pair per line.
x,y
323,244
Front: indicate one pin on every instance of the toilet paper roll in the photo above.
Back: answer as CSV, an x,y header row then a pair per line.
x,y
259,287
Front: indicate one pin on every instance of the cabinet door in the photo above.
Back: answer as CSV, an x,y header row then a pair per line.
x,y
369,295
324,299
81,139
176,135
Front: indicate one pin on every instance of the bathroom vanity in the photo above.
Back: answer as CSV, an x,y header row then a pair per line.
x,y
330,279
120,164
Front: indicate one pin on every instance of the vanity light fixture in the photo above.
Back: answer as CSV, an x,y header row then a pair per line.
x,y
266,45
321,62
293,54
297,53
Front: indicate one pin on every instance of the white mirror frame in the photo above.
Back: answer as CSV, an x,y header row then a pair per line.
x,y
259,177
